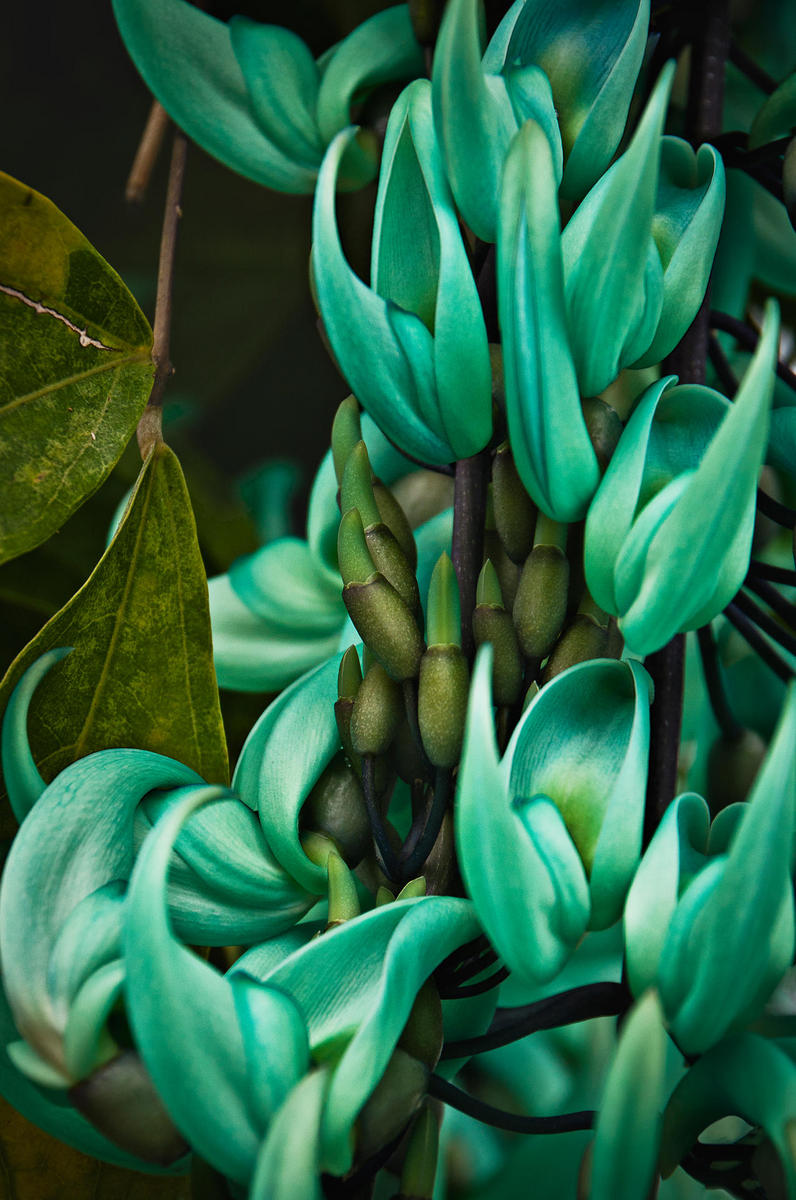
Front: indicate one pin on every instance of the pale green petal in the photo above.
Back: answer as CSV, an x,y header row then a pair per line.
x,y
288,1165
186,1021
628,1128
23,782
777,117
284,754
552,449
187,61
282,80
282,584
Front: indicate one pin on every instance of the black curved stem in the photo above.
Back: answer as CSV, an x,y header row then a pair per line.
x,y
766,622
566,1008
388,858
764,570
714,681
499,1118
748,337
476,989
783,607
749,631
436,815
760,78
779,513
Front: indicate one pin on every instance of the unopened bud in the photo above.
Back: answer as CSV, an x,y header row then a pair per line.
x,y
378,711
514,511
491,623
397,1096
442,703
336,807
353,556
343,898
583,639
604,427
540,605
386,625
394,517
422,1035
346,432
420,1164
349,678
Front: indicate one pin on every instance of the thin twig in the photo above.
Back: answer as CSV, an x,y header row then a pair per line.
x,y
388,858
475,989
489,1115
425,844
764,570
149,427
567,1008
766,622
748,338
760,78
775,511
147,153
783,607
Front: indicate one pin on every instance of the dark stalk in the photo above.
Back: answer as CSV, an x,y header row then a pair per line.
x,y
149,427
764,570
499,1118
766,622
388,858
749,631
467,550
703,123
760,78
781,514
566,1008
714,681
147,153
476,989
748,337
417,855
721,365
783,607
409,688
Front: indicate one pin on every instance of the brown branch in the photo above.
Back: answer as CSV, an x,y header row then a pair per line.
x,y
149,427
147,153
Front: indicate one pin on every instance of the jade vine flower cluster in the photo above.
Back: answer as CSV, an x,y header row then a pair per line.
x,y
470,818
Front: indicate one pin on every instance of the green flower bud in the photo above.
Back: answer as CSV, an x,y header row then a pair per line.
x,y
515,511
349,678
356,565
394,517
346,432
540,605
378,711
604,427
491,623
356,492
420,1164
336,807
422,1035
343,899
582,639
386,625
395,1098
444,676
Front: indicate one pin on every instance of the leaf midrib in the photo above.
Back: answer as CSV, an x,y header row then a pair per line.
x,y
113,364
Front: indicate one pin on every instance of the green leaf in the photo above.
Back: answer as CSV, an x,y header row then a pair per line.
x,y
141,671
75,368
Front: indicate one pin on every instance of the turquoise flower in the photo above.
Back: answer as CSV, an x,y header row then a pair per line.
x,y
709,918
638,250
253,96
669,532
572,71
549,836
413,346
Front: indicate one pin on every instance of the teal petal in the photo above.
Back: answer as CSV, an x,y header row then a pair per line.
x,y
534,910
419,262
357,322
744,1076
476,114
613,278
693,566
777,117
628,1131
288,1166
396,948
87,1043
552,448
727,948
592,54
23,782
281,584
91,804
286,751
584,742
282,80
688,215
194,1028
381,50
676,853
187,61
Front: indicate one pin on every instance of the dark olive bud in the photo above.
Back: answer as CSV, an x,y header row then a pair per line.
x,y
444,674
353,557
733,764
514,510
120,1100
394,517
583,638
378,711
426,16
356,492
439,870
395,1099
346,432
604,427
336,807
420,1162
386,625
343,898
491,623
422,1035
540,605
349,678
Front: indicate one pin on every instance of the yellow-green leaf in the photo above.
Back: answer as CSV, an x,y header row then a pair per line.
x,y
75,368
141,671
